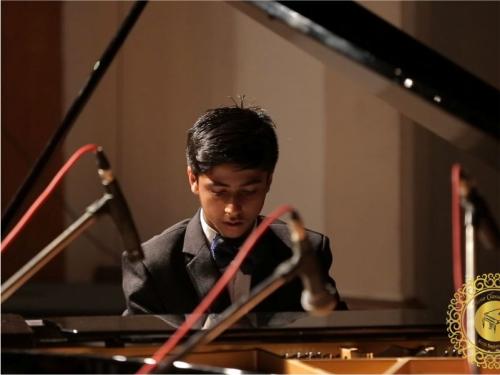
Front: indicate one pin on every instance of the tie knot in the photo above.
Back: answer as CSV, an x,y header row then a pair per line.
x,y
225,249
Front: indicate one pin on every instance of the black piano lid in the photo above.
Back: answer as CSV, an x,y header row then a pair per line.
x,y
443,97
271,327
288,320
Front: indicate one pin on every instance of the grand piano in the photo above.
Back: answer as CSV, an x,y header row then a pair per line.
x,y
383,341
434,92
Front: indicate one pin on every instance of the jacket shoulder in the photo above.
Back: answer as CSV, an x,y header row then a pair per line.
x,y
161,244
281,229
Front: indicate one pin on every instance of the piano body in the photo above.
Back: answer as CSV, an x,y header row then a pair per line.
x,y
430,91
383,341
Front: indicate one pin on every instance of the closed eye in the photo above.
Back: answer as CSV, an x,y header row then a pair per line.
x,y
219,193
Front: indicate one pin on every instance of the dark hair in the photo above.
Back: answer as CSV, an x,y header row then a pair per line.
x,y
236,135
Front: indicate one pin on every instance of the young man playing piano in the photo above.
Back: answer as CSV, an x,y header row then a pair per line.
x,y
231,155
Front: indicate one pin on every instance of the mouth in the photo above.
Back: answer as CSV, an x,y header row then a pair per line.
x,y
233,229
235,224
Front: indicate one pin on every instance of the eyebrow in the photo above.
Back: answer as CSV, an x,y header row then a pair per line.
x,y
247,183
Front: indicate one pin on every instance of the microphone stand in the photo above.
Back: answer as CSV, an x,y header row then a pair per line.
x,y
285,272
470,272
92,212
478,225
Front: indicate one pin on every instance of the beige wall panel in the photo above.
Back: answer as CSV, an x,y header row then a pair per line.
x,y
288,83
363,185
363,190
178,62
87,29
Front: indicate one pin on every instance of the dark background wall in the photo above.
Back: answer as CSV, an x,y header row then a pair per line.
x,y
31,110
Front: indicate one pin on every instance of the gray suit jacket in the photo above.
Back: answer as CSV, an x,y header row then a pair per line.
x,y
178,271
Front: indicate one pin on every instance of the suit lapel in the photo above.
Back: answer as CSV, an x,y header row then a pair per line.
x,y
201,268
273,249
269,251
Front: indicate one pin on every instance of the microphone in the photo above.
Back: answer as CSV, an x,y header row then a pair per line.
x,y
119,210
319,297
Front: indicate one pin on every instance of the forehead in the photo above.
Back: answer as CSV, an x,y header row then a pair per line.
x,y
232,176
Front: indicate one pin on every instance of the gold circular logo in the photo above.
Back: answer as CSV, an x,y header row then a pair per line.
x,y
487,321
473,321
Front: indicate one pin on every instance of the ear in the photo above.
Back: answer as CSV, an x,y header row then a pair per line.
x,y
269,181
193,181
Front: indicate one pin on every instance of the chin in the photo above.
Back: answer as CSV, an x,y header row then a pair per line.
x,y
234,232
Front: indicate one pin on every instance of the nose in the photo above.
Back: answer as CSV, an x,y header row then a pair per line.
x,y
232,209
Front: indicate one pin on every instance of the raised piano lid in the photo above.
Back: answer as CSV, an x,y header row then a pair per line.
x,y
420,83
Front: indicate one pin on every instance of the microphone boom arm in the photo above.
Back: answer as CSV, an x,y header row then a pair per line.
x,y
25,273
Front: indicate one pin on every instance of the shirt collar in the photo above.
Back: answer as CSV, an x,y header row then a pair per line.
x,y
209,232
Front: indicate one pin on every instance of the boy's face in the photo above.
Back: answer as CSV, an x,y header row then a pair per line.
x,y
231,198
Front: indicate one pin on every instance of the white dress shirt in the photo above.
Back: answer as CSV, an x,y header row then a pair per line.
x,y
240,285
